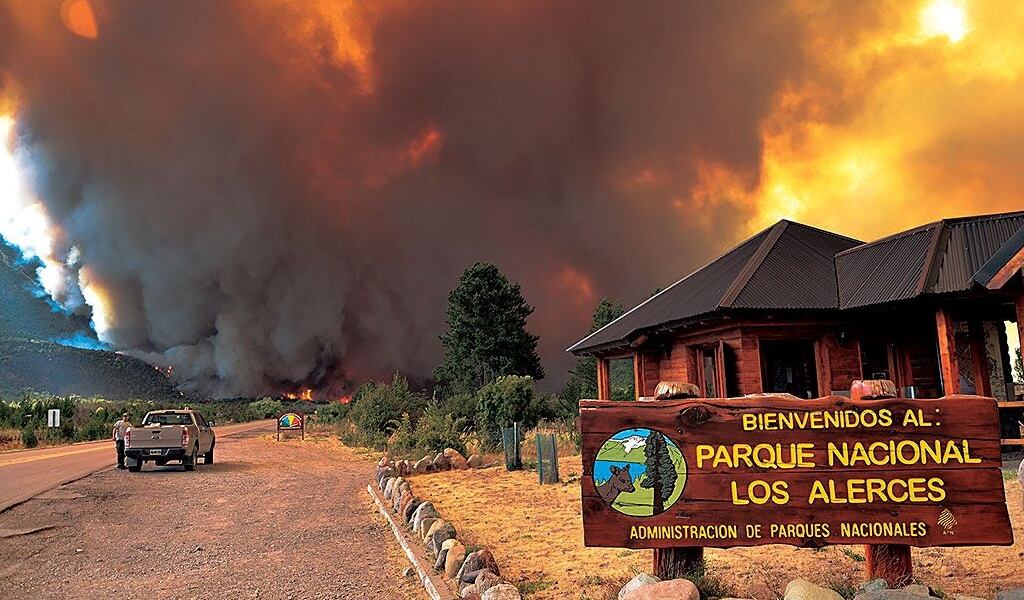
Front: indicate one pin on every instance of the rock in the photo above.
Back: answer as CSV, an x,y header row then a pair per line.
x,y
469,593
476,562
873,585
441,462
475,462
485,581
437,536
673,589
407,499
637,582
964,597
1015,594
916,588
801,589
423,465
410,510
384,475
911,592
399,495
423,511
403,468
455,554
384,462
504,591
425,525
408,572
391,486
439,563
455,459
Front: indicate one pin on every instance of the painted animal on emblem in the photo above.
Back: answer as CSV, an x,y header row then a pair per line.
x,y
621,481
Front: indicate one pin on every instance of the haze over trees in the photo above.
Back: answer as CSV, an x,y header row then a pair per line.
x,y
486,334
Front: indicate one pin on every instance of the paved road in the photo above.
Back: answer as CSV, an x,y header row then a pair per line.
x,y
27,473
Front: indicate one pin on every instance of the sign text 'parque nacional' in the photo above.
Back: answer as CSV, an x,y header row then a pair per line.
x,y
780,470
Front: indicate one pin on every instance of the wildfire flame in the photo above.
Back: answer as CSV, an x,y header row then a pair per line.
x,y
304,394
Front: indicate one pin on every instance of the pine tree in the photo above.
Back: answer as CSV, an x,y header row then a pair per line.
x,y
661,473
583,377
486,335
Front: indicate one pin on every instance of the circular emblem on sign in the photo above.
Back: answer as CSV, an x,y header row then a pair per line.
x,y
639,472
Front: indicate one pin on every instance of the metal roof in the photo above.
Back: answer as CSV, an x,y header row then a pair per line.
x,y
788,265
792,266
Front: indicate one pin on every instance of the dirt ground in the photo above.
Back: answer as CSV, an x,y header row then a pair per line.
x,y
536,535
268,520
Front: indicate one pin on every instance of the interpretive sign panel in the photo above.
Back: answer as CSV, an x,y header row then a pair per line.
x,y
780,470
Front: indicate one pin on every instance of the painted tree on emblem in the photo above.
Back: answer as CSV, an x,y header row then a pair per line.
x,y
661,473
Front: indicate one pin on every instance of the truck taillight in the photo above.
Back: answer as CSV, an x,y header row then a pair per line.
x,y
184,437
128,438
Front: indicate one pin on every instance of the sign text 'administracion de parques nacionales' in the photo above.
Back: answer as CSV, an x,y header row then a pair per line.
x,y
776,469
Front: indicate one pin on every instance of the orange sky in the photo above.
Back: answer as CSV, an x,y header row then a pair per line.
x,y
383,147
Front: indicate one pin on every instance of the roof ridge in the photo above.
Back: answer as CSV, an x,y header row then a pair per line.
x,y
936,249
754,263
825,231
689,275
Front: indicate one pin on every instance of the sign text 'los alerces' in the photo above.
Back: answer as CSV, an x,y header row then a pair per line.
x,y
774,469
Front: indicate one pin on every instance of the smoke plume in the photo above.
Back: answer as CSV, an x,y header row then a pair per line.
x,y
270,194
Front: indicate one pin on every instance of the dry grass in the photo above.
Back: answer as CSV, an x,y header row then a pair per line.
x,y
536,534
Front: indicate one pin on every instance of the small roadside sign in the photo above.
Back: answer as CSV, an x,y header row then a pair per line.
x,y
53,417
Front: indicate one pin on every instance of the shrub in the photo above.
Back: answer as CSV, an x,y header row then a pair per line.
x,y
509,399
462,406
264,408
438,429
380,406
334,412
28,437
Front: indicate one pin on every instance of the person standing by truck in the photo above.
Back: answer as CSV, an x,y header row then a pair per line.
x,y
120,427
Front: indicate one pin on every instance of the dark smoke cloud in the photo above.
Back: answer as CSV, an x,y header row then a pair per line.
x,y
252,205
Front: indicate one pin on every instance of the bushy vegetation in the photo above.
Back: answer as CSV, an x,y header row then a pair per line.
x,y
91,418
378,407
510,399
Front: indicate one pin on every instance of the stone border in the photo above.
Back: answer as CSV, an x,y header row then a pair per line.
x,y
415,555
475,574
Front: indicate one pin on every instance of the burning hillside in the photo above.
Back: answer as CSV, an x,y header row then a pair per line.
x,y
271,195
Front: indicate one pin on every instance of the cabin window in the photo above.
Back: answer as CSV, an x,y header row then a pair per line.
x,y
874,360
621,378
710,374
789,367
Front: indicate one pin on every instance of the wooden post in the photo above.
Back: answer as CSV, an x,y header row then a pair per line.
x,y
891,562
604,384
638,374
1020,317
948,364
673,563
979,359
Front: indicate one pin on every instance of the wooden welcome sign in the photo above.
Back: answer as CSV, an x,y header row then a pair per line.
x,y
780,470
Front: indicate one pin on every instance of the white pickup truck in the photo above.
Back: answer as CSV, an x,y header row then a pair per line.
x,y
170,435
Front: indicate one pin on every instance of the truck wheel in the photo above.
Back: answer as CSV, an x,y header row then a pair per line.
x,y
208,457
189,462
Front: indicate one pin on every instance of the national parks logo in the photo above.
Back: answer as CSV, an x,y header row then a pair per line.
x,y
639,472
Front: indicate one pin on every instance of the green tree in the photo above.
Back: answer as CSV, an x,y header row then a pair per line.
x,y
583,377
661,473
507,400
486,335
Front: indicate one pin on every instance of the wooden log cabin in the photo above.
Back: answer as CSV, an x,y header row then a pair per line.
x,y
805,311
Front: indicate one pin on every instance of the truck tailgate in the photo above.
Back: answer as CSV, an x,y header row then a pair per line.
x,y
156,436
